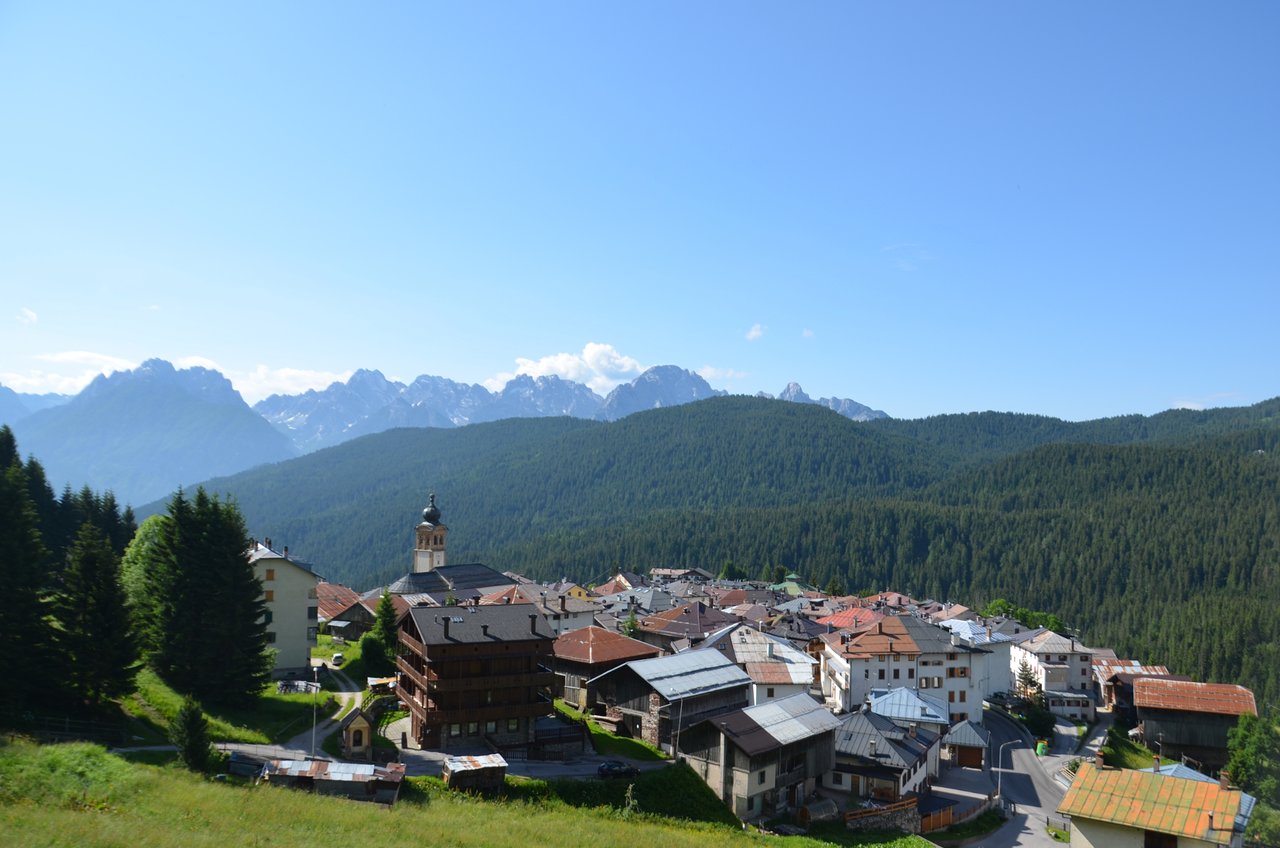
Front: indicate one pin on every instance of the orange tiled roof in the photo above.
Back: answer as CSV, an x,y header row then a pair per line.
x,y
887,636
1153,802
1223,698
596,645
855,618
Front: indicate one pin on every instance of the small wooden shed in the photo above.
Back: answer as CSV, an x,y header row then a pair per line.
x,y
478,772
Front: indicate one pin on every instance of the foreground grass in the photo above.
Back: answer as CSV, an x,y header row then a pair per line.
x,y
272,718
609,744
78,795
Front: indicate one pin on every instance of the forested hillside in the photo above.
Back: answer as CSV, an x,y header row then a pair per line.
x,y
1165,548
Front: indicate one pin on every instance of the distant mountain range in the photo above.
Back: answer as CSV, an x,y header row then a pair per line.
x,y
142,433
370,403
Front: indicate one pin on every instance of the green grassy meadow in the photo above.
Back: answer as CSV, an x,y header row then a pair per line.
x,y
79,795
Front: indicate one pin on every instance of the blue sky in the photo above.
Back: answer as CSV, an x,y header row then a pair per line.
x,y
1068,209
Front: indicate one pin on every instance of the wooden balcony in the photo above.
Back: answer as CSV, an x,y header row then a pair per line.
x,y
496,712
430,681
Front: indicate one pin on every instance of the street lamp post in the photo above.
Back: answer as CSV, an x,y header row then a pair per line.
x,y
315,689
1000,766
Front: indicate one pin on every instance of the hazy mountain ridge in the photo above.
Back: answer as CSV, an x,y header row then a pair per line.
x,y
140,434
369,403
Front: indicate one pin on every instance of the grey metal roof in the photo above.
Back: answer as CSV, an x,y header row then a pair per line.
x,y
681,676
969,734
450,578
773,724
792,718
904,704
873,737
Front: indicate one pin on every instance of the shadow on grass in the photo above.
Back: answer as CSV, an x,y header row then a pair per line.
x,y
672,792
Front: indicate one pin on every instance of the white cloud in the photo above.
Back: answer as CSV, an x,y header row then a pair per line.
x,y
806,333
27,316
600,367
72,371
756,331
103,362
196,362
263,381
1208,401
710,373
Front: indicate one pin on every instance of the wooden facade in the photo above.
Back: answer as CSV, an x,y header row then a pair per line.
x,y
474,675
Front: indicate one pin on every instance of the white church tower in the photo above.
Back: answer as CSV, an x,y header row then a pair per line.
x,y
428,553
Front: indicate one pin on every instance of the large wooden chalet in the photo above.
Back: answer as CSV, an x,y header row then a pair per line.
x,y
474,675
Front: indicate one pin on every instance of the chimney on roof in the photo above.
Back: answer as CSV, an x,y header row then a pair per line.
x,y
1211,820
1156,757
770,649
484,628
1098,759
445,622
873,747
286,551
988,632
562,606
1224,779
533,623
911,730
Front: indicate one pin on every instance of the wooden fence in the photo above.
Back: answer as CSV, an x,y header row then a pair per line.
x,y
854,815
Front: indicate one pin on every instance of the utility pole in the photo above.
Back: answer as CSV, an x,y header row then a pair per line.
x,y
315,692
1000,765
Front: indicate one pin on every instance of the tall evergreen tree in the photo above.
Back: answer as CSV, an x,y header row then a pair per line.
x,y
235,614
207,631
90,607
24,614
384,625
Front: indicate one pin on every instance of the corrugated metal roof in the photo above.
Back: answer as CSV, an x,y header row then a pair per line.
x,y
1153,802
328,770
1222,698
453,765
774,724
692,673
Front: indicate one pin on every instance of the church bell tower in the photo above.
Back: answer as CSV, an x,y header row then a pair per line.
x,y
428,552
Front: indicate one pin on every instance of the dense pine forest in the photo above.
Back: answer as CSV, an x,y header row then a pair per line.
x,y
1158,536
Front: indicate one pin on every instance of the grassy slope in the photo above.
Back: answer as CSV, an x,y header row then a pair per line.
x,y
78,795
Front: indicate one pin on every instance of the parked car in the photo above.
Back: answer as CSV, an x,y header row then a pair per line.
x,y
616,768
338,659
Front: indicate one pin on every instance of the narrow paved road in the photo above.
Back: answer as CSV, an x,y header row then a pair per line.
x,y
1023,779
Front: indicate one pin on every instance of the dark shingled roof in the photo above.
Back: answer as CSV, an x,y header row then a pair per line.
x,y
506,623
450,578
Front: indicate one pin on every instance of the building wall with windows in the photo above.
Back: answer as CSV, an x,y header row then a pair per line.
x,y
289,589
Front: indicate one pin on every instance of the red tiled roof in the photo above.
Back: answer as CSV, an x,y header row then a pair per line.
x,y
1152,801
855,618
1222,698
333,598
594,645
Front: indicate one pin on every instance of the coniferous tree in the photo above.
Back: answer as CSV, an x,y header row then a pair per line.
x,y
189,732
235,639
94,637
206,633
384,625
1254,748
138,582
24,614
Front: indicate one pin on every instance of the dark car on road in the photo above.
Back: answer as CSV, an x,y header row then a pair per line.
x,y
616,768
